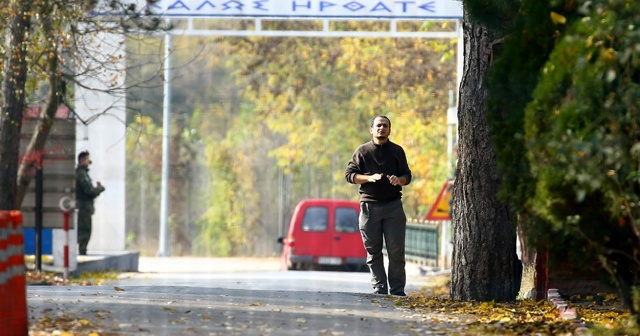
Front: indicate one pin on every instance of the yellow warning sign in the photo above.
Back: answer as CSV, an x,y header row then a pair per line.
x,y
440,208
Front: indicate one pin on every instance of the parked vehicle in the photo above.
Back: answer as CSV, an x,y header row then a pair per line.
x,y
324,233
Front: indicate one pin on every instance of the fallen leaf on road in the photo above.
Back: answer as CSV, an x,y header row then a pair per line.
x,y
118,289
407,326
178,321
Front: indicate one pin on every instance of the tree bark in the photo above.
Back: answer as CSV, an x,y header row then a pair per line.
x,y
484,250
13,102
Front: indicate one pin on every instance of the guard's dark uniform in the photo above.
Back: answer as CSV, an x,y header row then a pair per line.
x,y
85,193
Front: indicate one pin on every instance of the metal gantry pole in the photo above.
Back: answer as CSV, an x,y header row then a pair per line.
x,y
166,134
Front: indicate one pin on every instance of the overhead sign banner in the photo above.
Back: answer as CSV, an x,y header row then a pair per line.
x,y
440,210
361,9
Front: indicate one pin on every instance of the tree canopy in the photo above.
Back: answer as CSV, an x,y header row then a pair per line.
x,y
260,107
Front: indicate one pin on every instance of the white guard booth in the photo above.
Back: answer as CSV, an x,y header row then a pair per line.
x,y
100,129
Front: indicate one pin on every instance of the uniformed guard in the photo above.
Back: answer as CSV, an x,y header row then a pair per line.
x,y
85,194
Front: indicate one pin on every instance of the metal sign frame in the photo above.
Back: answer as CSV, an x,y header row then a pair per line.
x,y
257,29
325,12
345,9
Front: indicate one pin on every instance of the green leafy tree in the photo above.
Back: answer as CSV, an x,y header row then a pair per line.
x,y
515,75
568,133
144,162
582,133
229,224
188,183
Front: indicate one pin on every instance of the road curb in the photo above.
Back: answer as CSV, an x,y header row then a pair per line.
x,y
567,313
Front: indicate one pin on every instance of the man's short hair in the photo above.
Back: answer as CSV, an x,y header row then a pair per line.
x,y
380,116
83,155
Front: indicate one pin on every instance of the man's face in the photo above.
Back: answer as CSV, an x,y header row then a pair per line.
x,y
380,129
86,161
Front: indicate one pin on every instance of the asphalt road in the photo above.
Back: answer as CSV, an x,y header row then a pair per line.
x,y
237,302
166,310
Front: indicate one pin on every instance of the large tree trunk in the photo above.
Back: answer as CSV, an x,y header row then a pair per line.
x,y
484,250
13,102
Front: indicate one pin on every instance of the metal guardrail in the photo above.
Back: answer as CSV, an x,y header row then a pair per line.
x,y
422,242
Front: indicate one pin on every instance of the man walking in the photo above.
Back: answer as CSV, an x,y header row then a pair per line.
x,y
380,169
85,193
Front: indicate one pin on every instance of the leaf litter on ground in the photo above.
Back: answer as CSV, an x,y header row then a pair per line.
x,y
603,314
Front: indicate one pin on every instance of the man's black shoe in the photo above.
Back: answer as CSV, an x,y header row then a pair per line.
x,y
381,291
399,294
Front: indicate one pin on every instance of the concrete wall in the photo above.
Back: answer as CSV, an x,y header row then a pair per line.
x,y
104,136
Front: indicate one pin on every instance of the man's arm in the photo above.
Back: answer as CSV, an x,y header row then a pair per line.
x,y
362,179
84,183
404,171
353,172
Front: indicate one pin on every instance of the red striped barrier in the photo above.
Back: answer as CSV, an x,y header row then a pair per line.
x,y
13,284
66,245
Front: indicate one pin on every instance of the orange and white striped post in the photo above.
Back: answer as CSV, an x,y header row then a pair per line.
x,y
13,284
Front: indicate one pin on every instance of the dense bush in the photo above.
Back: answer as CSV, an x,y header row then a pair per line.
x,y
582,135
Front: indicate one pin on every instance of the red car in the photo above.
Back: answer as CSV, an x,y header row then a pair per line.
x,y
324,232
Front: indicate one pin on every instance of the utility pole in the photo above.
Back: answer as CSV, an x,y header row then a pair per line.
x,y
166,135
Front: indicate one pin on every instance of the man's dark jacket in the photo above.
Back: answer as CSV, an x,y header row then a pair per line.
x,y
388,159
85,191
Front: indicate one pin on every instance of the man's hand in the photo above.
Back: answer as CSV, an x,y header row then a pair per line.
x,y
396,180
375,177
